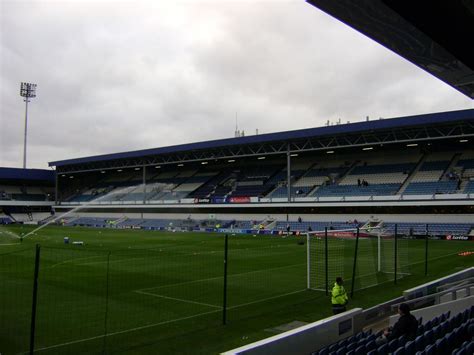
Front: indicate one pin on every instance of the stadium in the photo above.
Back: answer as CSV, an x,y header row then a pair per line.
x,y
236,243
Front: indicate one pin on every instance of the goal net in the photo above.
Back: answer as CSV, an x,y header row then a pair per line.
x,y
363,258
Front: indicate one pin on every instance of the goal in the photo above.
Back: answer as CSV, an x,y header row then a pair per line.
x,y
363,257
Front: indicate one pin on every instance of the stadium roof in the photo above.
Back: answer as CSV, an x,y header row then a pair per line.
x,y
436,35
426,120
27,174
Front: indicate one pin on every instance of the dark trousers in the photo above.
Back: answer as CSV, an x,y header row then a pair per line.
x,y
338,308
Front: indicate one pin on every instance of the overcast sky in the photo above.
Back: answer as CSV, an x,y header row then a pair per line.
x,y
124,75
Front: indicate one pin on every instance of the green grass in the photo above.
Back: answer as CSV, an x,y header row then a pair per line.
x,y
162,293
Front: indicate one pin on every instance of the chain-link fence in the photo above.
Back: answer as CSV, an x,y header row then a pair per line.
x,y
74,299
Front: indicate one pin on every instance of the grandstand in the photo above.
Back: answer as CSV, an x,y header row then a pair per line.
x,y
296,166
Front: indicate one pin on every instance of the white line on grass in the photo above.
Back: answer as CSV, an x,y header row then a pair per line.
x,y
177,299
124,331
1,245
158,324
72,260
107,261
218,277
185,318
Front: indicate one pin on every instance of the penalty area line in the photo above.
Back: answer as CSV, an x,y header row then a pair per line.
x,y
160,323
177,299
122,331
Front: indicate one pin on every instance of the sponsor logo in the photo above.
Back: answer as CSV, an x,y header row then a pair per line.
x,y
202,200
239,199
457,237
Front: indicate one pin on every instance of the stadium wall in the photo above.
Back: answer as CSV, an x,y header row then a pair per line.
x,y
413,218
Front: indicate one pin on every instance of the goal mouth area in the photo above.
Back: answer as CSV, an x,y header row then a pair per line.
x,y
364,257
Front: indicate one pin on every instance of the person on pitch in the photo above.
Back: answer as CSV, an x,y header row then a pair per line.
x,y
339,297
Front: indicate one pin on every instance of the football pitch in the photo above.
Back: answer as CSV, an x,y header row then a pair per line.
x,y
145,292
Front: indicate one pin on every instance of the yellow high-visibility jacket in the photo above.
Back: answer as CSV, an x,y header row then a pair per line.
x,y
339,295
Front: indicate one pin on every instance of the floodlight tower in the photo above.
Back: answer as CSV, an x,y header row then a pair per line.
x,y
28,91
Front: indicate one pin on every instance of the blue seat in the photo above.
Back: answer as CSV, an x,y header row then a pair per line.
x,y
410,347
470,330
341,351
382,349
333,347
430,349
445,328
392,345
350,352
402,340
372,352
351,346
436,332
460,351
429,337
428,325
370,345
419,343
451,340
399,351
441,346
371,337
360,350
470,347
342,343
459,335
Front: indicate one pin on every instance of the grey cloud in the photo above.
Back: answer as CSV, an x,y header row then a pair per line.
x,y
118,76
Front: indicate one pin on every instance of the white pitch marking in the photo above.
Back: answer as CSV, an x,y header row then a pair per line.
x,y
156,324
177,299
218,277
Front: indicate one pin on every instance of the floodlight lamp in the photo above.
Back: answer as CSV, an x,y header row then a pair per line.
x,y
28,90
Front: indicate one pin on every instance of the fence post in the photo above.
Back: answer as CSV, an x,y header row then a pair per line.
x,y
106,315
426,250
224,302
326,259
35,297
395,255
355,263
308,262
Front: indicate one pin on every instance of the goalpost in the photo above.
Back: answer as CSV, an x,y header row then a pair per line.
x,y
363,257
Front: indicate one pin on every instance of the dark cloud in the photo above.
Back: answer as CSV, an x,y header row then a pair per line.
x,y
125,75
